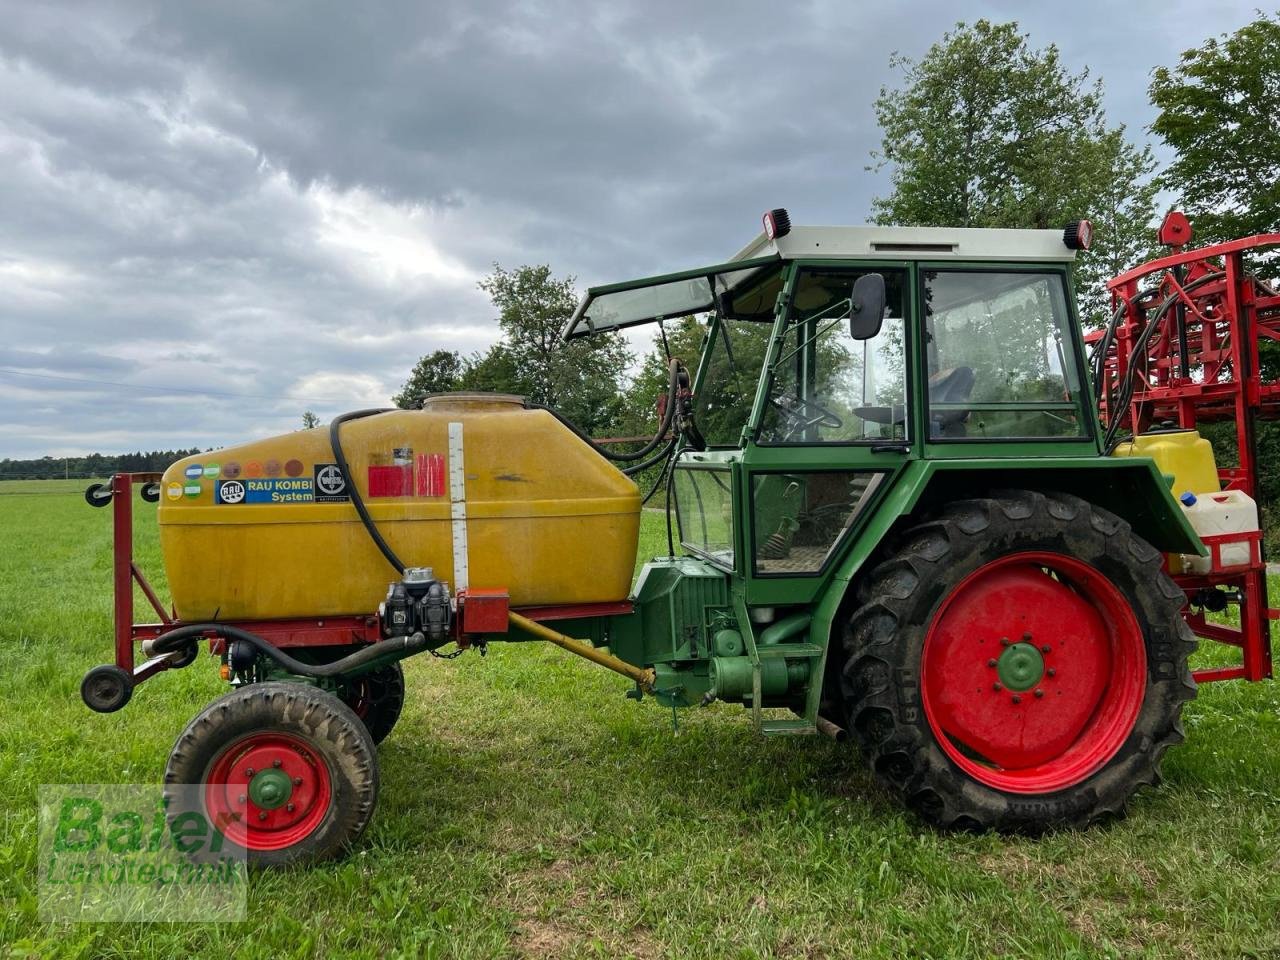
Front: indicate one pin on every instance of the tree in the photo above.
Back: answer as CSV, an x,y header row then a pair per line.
x,y
987,132
309,420
437,372
494,371
580,378
1218,110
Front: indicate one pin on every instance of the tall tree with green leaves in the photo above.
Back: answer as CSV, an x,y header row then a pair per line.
x,y
986,131
438,372
1218,111
581,378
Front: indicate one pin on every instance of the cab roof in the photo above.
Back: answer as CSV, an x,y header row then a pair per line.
x,y
651,299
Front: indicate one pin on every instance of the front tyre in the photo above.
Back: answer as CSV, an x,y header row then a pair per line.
x,y
286,772
1018,662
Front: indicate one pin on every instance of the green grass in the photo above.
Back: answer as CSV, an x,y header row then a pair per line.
x,y
528,808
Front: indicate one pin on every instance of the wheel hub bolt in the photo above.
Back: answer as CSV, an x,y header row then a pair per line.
x,y
1004,641
297,781
1039,692
1017,699
1052,672
243,798
289,807
1026,637
1046,648
250,772
991,662
276,763
262,815
996,687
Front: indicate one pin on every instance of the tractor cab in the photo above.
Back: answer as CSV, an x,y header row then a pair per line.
x,y
836,358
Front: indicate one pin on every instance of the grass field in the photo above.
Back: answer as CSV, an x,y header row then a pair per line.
x,y
529,809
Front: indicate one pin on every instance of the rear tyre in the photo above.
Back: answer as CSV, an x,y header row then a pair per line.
x,y
285,771
377,698
1016,663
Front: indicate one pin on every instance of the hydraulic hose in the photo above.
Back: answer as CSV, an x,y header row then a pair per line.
x,y
335,440
371,656
673,395
1125,393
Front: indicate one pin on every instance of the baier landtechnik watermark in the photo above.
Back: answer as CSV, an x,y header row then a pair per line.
x,y
137,853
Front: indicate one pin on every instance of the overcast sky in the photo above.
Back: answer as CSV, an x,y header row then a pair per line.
x,y
245,211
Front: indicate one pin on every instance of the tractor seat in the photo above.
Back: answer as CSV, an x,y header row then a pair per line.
x,y
952,385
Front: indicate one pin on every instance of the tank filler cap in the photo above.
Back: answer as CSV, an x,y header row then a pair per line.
x,y
471,400
413,575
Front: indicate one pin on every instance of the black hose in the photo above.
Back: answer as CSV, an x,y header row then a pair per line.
x,y
1125,393
335,429
657,458
371,656
673,390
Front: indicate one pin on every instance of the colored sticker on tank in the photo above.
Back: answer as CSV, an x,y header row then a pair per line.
x,y
211,470
275,490
193,490
431,474
174,491
194,471
330,485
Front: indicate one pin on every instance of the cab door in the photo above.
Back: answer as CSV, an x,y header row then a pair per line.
x,y
832,427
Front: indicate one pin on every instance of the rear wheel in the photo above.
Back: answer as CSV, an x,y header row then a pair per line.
x,y
377,698
1016,663
286,772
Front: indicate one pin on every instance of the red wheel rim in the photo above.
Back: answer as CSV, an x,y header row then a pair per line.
x,y
1034,670
268,791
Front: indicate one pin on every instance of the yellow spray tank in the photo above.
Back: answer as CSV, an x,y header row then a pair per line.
x,y
487,492
1183,455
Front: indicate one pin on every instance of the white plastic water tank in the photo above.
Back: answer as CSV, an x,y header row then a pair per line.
x,y
1214,514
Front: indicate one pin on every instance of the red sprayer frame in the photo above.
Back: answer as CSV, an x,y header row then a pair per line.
x,y
488,611
1200,365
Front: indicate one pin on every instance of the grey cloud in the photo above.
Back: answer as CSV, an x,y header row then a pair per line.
x,y
258,200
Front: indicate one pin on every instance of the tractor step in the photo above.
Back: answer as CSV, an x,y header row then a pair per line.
x,y
792,650
774,728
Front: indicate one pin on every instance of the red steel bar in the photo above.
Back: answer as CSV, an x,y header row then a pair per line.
x,y
122,523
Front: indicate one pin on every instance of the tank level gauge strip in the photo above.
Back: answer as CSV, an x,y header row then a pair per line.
x,y
458,507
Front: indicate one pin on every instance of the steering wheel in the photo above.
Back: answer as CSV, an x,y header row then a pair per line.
x,y
801,415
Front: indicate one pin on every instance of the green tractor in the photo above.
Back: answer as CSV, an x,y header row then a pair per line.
x,y
891,519
898,522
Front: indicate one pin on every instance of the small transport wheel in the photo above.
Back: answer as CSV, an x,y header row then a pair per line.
x,y
107,688
285,771
1017,662
150,492
377,698
98,494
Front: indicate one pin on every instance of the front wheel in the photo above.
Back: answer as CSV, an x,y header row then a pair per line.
x,y
284,771
1018,662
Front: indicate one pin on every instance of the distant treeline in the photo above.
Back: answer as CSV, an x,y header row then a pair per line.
x,y
94,465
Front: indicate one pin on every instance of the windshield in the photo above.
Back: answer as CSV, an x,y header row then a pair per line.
x,y
660,298
733,361
827,387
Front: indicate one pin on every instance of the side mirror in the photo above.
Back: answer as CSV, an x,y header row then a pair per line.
x,y
866,313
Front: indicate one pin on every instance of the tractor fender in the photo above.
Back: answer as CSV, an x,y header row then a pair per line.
x,y
1132,488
